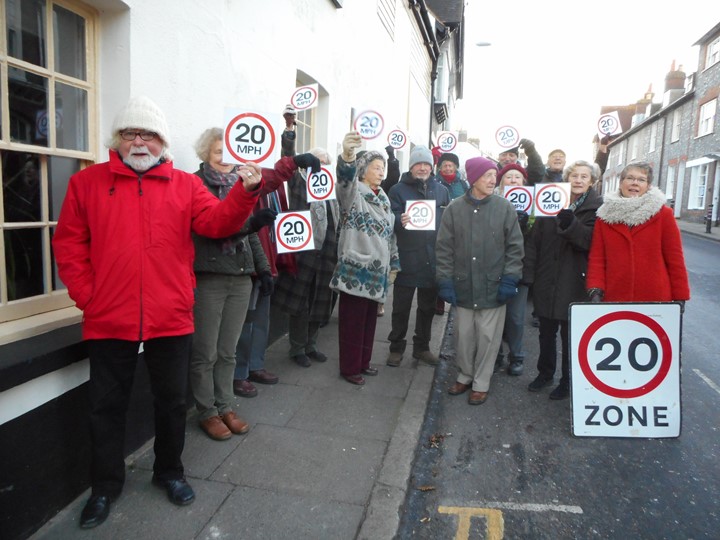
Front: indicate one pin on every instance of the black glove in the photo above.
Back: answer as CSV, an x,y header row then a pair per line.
x,y
523,218
507,289
565,218
267,285
595,295
682,306
526,144
446,291
307,161
261,219
390,152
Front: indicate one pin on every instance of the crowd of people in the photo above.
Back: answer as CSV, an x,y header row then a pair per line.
x,y
186,266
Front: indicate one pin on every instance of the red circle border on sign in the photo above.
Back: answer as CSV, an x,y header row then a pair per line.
x,y
517,134
264,121
522,188
315,94
329,192
454,144
423,203
294,214
359,116
404,138
537,197
651,385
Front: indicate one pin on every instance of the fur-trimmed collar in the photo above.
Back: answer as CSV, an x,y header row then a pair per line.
x,y
631,211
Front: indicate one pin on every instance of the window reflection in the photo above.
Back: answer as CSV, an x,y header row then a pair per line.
x,y
28,97
26,38
60,170
69,43
23,262
21,187
71,117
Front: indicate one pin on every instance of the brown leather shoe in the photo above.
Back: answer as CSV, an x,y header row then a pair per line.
x,y
215,428
263,376
458,388
477,398
354,379
244,388
234,423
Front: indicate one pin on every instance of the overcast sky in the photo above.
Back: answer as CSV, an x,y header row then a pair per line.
x,y
552,65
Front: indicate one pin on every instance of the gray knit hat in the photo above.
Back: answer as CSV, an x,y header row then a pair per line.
x,y
420,154
142,113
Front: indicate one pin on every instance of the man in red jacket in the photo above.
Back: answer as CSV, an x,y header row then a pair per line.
x,y
124,250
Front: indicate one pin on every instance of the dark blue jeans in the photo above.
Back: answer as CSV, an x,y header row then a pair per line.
x,y
112,371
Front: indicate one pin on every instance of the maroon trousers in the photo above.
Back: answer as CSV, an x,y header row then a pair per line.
x,y
357,318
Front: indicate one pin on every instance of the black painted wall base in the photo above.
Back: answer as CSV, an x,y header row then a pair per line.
x,y
45,454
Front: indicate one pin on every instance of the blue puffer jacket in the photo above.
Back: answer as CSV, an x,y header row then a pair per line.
x,y
417,248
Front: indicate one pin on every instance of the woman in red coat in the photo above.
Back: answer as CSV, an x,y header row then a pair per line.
x,y
636,252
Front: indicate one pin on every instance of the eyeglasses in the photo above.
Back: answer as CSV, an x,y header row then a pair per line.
x,y
631,179
144,135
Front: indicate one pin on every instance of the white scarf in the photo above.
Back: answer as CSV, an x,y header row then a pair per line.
x,y
631,211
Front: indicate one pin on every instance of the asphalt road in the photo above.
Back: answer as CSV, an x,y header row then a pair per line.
x,y
511,468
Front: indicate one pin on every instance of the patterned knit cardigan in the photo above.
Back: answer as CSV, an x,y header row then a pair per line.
x,y
367,251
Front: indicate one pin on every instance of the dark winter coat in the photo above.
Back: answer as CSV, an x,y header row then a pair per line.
x,y
248,258
556,260
457,188
479,242
416,248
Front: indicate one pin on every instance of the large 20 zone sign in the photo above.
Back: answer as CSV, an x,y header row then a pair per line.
x,y
625,365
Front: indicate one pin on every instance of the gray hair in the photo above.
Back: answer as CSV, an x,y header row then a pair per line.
x,y
644,166
208,137
594,170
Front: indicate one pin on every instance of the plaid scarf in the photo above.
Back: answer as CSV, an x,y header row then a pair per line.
x,y
224,183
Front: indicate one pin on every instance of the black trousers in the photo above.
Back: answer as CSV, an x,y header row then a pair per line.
x,y
548,349
112,370
402,304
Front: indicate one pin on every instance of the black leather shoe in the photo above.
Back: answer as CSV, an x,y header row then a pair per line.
x,y
178,490
561,392
369,371
95,512
317,356
302,360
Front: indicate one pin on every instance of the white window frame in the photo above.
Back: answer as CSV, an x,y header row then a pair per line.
x,y
670,182
634,146
698,187
712,53
52,299
652,143
706,120
675,130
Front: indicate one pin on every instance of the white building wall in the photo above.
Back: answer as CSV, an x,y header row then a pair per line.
x,y
197,58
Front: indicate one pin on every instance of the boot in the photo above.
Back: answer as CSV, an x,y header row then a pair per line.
x,y
516,367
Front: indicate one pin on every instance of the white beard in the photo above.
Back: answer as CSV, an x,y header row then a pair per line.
x,y
141,163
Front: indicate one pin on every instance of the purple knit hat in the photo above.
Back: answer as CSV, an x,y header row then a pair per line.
x,y
476,167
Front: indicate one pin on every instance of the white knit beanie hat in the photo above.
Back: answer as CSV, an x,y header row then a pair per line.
x,y
142,113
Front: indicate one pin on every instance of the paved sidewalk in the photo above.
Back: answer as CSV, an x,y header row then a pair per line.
x,y
323,458
698,229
